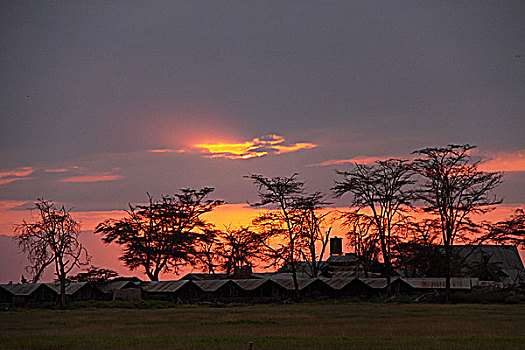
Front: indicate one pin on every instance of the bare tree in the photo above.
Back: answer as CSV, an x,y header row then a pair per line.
x,y
162,235
454,189
384,190
363,240
315,230
283,194
52,239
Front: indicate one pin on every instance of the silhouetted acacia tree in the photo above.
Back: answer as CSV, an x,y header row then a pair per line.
x,y
487,270
454,189
240,248
508,231
282,194
208,251
382,192
52,239
419,254
94,274
162,235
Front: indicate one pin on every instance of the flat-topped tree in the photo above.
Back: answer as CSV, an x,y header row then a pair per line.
x,y
94,274
162,235
453,190
52,240
381,193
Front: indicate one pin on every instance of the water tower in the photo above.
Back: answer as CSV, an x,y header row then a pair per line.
x,y
336,246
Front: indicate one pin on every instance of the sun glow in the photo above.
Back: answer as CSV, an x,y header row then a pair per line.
x,y
256,148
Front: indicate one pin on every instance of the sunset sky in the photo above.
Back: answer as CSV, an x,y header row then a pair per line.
x,y
105,101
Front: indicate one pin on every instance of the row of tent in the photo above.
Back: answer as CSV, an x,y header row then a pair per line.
x,y
224,290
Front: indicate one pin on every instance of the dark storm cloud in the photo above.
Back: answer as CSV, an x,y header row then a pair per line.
x,y
96,84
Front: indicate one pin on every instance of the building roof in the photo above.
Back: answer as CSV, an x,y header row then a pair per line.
x,y
249,284
204,276
350,274
347,259
163,286
71,288
337,282
507,255
210,285
289,285
376,283
21,288
439,283
109,287
286,275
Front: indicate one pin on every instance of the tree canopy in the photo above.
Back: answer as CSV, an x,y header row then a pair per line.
x,y
380,193
453,189
163,234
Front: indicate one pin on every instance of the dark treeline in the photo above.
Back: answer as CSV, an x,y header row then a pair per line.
x,y
443,187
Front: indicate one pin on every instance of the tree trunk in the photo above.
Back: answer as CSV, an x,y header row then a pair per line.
x,y
388,278
295,283
62,280
315,268
447,273
153,276
386,259
294,272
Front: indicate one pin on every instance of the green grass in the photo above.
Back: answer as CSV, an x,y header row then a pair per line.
x,y
296,326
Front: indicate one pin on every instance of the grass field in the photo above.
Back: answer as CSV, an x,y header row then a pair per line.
x,y
294,326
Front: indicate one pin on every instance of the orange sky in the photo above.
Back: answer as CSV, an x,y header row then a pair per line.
x,y
107,256
227,215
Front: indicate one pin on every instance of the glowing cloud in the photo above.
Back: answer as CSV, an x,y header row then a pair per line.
x,y
355,160
61,170
500,161
92,178
167,150
15,175
258,147
504,162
